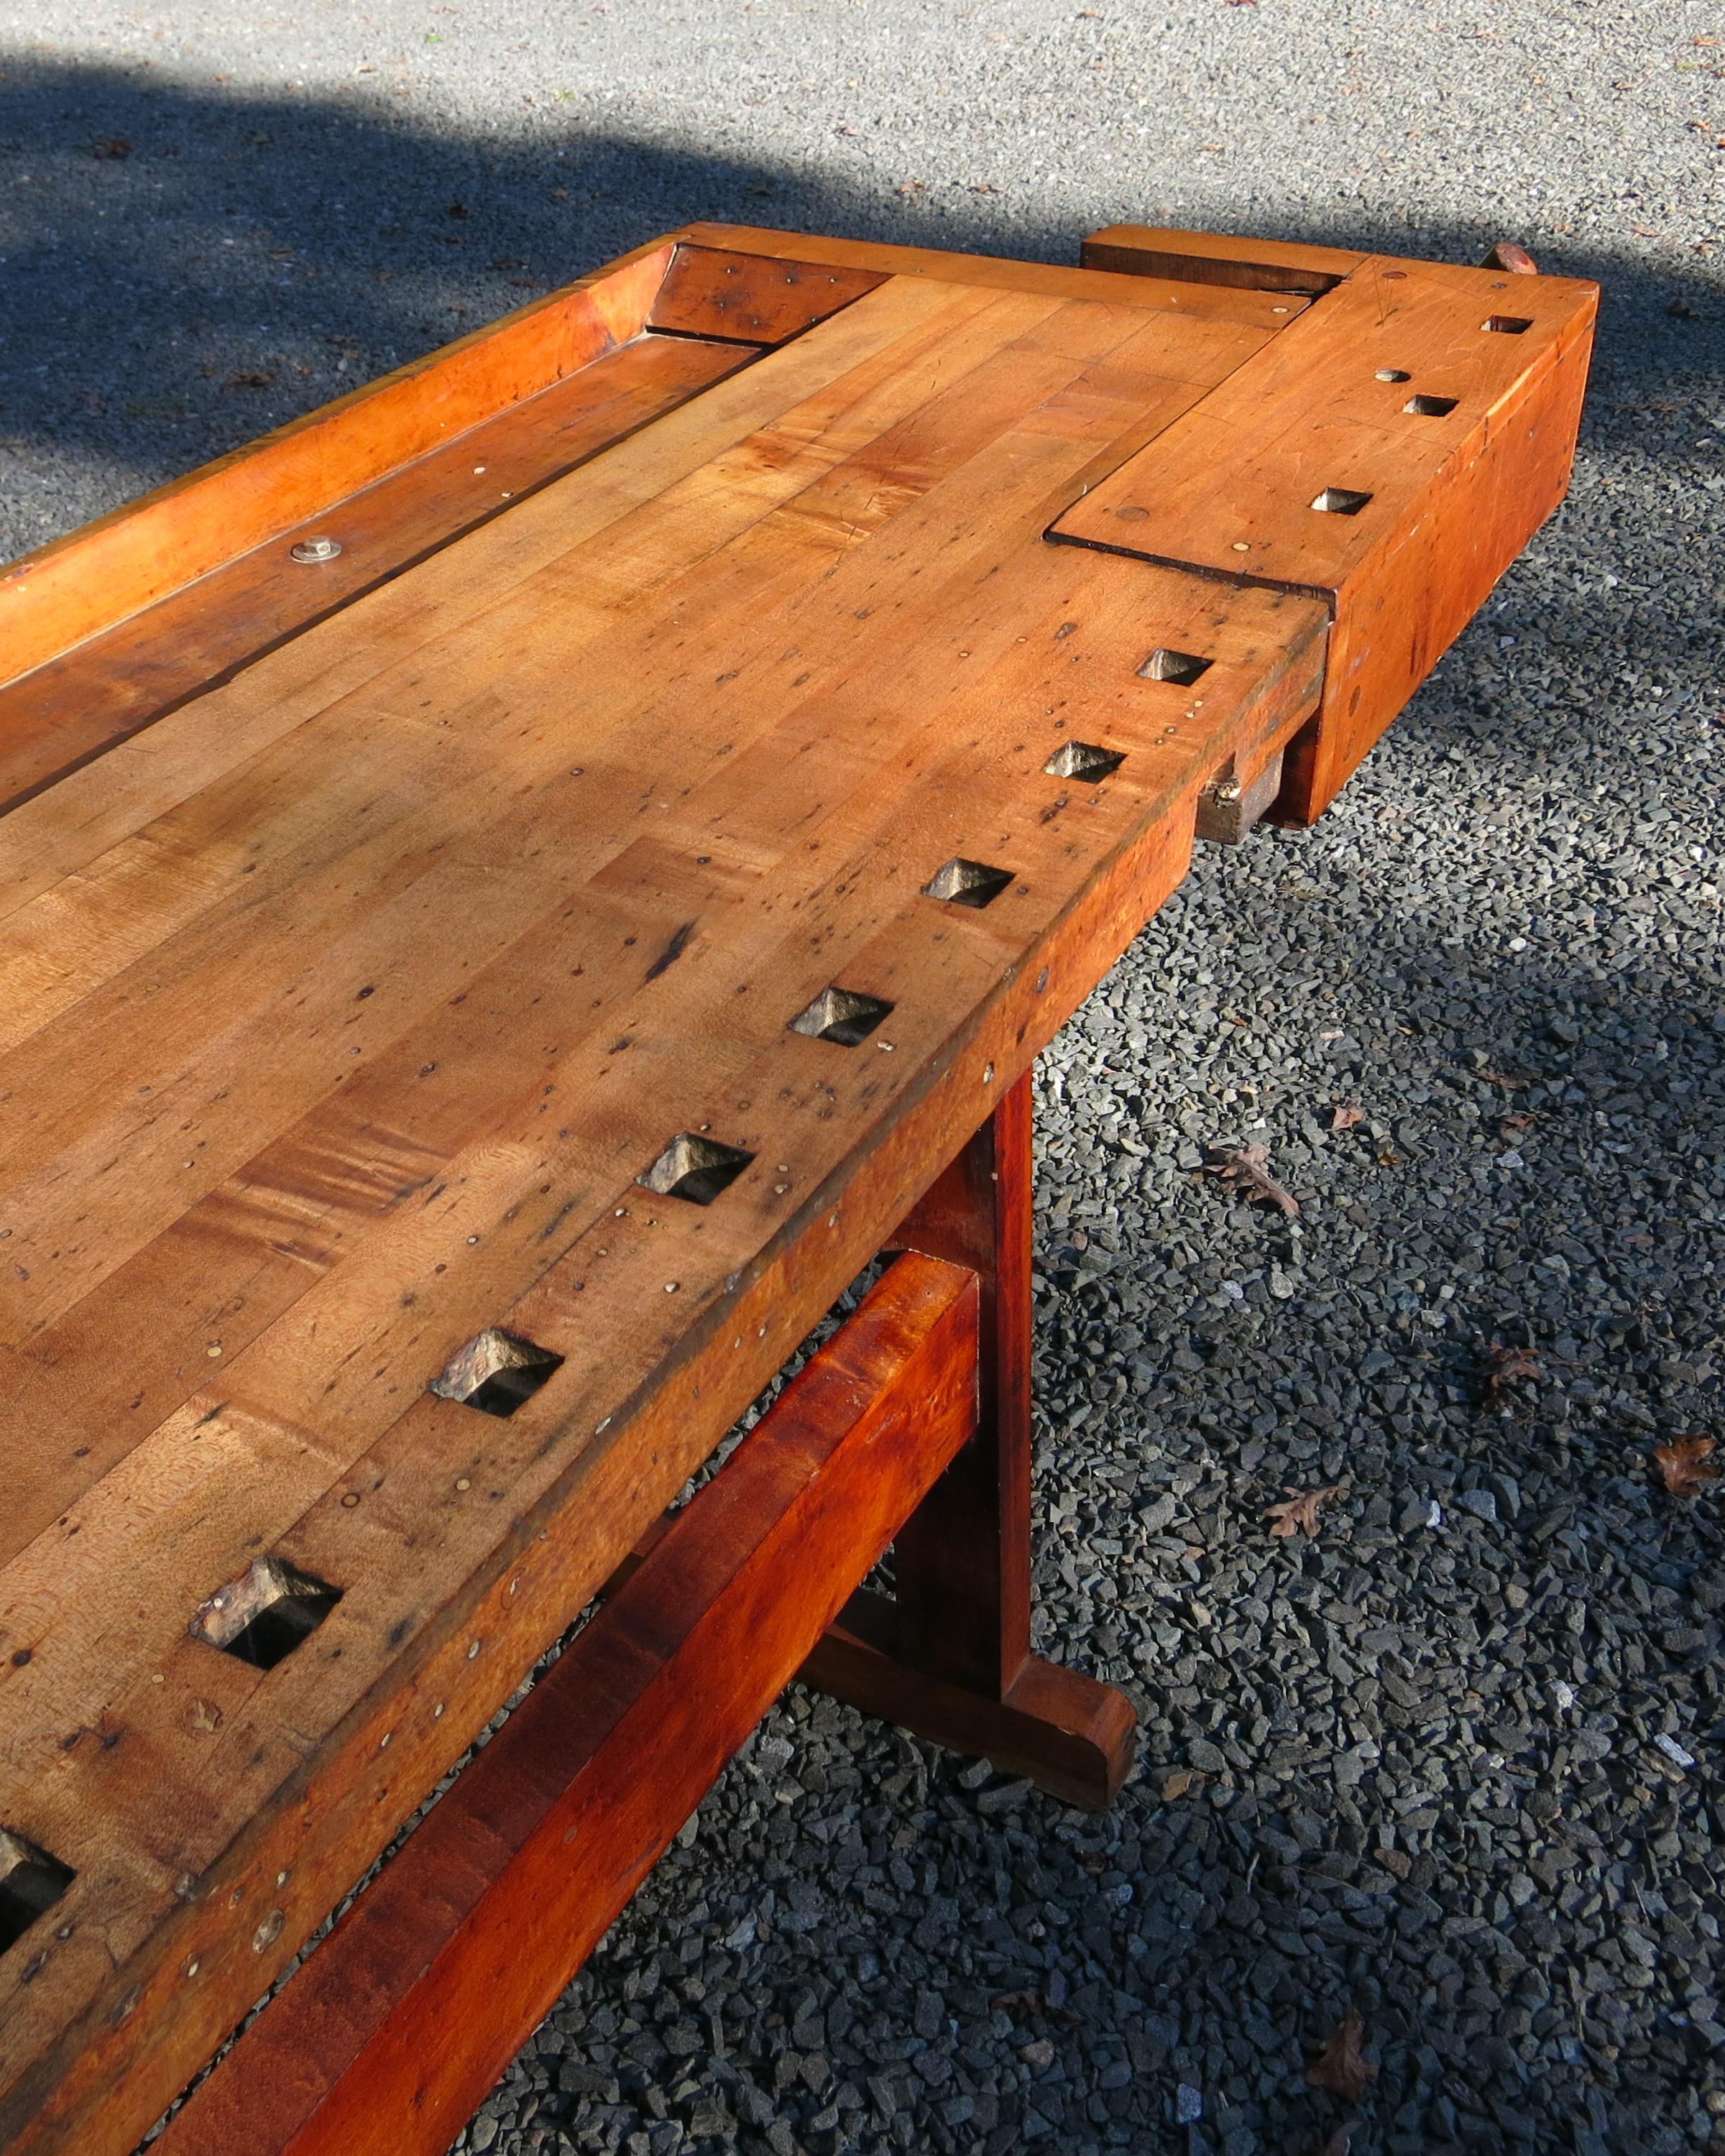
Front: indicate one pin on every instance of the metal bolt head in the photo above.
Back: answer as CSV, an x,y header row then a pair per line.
x,y
315,550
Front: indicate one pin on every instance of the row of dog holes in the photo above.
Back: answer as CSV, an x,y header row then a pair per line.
x,y
273,1607
261,1618
1348,502
496,1371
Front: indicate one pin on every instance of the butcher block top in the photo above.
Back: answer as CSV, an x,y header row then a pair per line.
x,y
512,887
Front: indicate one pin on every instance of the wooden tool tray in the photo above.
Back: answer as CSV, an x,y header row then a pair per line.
x,y
515,888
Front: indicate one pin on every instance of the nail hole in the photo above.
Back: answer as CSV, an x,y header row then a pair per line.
x,y
842,1015
694,1168
1341,500
262,1616
31,1882
967,883
1507,325
1083,760
1393,374
1166,665
1431,407
495,1372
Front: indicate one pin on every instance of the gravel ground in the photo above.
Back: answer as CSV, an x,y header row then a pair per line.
x,y
1454,1762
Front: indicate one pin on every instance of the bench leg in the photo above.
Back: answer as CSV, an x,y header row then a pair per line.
x,y
950,1655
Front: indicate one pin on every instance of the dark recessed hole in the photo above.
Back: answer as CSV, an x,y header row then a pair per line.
x,y
1431,407
694,1168
1181,666
1393,374
262,1616
1341,500
31,1882
1507,325
1083,760
967,883
842,1015
495,1372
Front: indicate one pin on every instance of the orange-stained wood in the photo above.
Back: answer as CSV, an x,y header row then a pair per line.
x,y
60,715
1398,615
1200,299
479,1922
750,299
748,803
421,939
75,587
961,1564
1073,1737
1214,258
1391,454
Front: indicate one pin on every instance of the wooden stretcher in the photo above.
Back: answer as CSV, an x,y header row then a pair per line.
x,y
516,889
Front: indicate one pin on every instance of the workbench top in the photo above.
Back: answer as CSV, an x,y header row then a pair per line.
x,y
588,908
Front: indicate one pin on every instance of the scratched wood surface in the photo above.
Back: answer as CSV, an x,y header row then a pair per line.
x,y
1392,458
348,1001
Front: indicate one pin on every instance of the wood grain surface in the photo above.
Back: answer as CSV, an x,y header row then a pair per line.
x,y
1391,455
477,1924
348,1001
363,953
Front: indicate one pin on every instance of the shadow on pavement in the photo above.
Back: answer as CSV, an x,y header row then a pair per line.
x,y
186,268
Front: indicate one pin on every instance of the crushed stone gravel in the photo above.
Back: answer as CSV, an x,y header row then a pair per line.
x,y
1455,1760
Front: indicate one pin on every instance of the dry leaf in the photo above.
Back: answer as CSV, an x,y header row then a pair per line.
x,y
1033,2002
1178,1782
1347,1119
250,377
1344,2069
1300,1511
1503,1078
1505,1365
1680,1465
110,145
1524,1120
1247,1169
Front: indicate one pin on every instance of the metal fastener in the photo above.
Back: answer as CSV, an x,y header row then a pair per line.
x,y
315,550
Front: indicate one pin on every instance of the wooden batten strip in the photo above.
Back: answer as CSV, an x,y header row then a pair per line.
x,y
1214,257
76,587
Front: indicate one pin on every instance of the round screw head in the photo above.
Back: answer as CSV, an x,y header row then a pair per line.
x,y
315,550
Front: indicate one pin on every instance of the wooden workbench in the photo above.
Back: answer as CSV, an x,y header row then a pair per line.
x,y
516,889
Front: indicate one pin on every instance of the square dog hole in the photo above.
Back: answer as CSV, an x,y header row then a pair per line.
x,y
1507,324
31,1882
967,883
1431,407
842,1015
262,1616
495,1372
694,1168
1181,666
1083,760
1341,500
